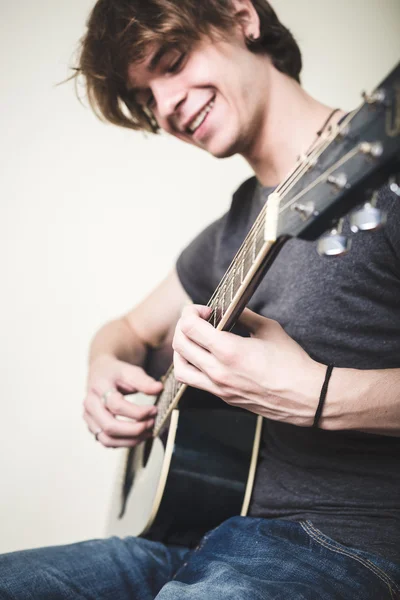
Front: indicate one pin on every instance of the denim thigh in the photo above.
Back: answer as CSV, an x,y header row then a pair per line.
x,y
111,569
258,559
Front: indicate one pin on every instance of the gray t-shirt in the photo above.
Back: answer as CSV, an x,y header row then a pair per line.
x,y
344,311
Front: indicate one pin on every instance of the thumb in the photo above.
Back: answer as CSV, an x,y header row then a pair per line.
x,y
252,321
134,378
202,311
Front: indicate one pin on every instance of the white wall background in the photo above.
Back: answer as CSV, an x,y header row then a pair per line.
x,y
91,217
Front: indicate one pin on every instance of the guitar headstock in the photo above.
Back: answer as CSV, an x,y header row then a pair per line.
x,y
360,157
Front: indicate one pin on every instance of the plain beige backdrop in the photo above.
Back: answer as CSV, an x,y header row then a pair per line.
x,y
91,218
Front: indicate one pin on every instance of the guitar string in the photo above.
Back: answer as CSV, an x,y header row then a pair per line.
x,y
332,168
294,176
258,226
289,183
228,280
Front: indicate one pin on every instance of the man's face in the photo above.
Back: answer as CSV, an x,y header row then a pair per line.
x,y
213,96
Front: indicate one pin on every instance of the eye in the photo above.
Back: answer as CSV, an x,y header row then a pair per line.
x,y
176,65
144,98
150,100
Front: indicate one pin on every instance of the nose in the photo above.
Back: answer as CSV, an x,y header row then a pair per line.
x,y
169,96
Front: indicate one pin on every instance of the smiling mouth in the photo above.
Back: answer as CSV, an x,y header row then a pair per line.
x,y
201,117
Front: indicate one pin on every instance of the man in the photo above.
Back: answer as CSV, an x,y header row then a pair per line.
x,y
324,517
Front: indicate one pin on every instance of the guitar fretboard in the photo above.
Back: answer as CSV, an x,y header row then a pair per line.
x,y
220,302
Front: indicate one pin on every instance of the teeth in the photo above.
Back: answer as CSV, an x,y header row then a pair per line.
x,y
195,124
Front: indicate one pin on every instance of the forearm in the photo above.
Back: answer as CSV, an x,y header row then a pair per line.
x,y
117,338
364,400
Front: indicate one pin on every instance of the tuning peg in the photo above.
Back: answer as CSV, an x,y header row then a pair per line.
x,y
376,97
368,217
334,243
394,184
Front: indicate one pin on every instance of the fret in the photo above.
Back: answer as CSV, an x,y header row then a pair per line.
x,y
242,270
226,301
168,388
223,301
215,313
236,280
254,250
168,394
228,292
232,284
246,244
248,262
260,241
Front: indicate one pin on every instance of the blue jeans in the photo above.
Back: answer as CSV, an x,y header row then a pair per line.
x,y
242,559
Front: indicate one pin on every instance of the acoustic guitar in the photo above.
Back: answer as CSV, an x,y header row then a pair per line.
x,y
198,469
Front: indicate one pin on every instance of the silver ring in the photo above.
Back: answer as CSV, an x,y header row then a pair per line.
x,y
97,433
106,394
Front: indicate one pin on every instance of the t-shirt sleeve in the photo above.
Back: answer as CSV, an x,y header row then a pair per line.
x,y
204,261
196,264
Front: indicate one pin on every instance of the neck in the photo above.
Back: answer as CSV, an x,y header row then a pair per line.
x,y
289,125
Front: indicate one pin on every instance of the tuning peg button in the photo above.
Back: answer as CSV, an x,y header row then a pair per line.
x,y
367,218
376,97
339,180
334,243
394,185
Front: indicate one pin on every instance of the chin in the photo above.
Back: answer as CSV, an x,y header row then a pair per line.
x,y
222,153
226,149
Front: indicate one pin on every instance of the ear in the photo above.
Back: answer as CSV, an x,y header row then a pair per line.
x,y
247,18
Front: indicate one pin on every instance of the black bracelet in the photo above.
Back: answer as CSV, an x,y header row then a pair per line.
x,y
322,397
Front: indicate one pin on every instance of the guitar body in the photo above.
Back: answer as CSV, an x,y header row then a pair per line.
x,y
178,486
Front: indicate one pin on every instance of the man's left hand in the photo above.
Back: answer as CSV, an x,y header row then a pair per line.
x,y
268,373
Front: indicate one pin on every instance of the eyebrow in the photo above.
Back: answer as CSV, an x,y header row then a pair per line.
x,y
156,58
152,66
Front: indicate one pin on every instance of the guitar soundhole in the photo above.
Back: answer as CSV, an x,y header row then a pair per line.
x,y
148,446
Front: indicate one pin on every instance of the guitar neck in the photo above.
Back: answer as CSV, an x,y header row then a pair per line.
x,y
228,301
358,155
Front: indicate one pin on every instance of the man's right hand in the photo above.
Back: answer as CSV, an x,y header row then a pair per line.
x,y
108,380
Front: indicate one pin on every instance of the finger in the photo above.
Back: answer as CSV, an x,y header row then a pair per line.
x,y
197,310
110,442
113,427
252,321
223,346
135,379
199,331
193,353
118,405
186,373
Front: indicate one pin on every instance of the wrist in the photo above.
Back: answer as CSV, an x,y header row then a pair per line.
x,y
316,377
95,357
303,393
322,396
116,340
348,403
